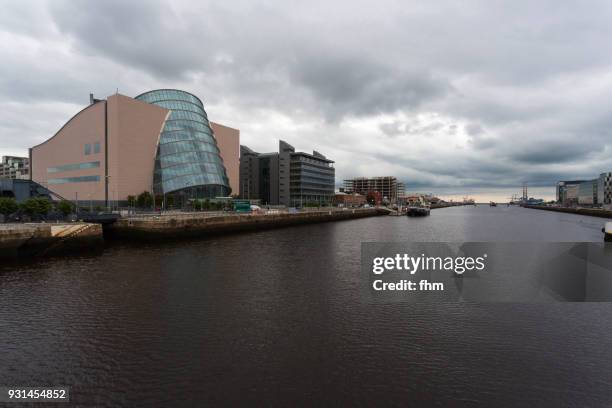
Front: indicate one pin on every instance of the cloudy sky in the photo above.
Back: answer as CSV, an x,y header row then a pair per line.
x,y
469,97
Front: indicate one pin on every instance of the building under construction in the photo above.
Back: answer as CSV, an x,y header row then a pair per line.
x,y
388,187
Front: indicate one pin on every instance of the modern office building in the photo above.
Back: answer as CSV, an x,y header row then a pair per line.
x,y
160,141
13,167
567,192
259,176
595,193
287,178
604,190
389,188
587,193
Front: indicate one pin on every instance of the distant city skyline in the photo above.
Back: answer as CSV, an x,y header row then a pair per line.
x,y
469,98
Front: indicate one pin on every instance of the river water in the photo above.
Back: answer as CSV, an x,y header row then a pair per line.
x,y
278,317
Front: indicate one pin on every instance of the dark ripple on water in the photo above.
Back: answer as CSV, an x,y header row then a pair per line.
x,y
278,317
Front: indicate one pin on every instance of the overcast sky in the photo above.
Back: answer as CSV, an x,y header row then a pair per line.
x,y
457,97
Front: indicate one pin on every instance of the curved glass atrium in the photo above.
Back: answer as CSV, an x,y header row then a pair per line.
x,y
188,162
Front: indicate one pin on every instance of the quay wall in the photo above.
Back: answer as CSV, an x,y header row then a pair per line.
x,y
164,227
33,240
447,205
593,212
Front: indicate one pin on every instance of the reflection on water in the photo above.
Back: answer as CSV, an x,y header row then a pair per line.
x,y
279,316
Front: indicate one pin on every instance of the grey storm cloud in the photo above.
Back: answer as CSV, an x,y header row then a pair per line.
x,y
442,93
553,153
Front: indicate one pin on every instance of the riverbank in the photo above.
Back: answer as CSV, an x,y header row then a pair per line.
x,y
447,205
34,240
200,225
593,212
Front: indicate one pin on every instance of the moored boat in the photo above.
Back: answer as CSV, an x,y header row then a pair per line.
x,y
417,210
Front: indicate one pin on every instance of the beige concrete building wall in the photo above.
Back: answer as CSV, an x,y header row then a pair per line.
x,y
133,135
228,140
67,147
133,130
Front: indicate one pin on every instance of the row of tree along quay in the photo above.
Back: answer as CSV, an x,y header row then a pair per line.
x,y
41,209
34,209
145,200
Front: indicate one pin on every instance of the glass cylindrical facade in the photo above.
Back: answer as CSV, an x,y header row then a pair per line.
x,y
188,160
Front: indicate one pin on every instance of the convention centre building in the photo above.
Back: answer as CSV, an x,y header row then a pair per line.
x,y
161,142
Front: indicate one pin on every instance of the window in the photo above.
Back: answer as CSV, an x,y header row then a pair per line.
x,y
81,179
75,166
97,147
87,148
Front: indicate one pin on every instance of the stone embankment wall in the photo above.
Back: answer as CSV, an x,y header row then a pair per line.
x,y
169,226
31,240
593,212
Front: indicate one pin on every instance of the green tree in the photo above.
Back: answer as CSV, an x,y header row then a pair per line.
x,y
131,200
36,207
197,205
170,200
159,201
8,205
144,200
65,207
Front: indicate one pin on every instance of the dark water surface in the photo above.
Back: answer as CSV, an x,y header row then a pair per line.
x,y
278,317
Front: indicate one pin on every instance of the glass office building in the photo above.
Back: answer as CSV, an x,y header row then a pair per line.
x,y
188,163
290,178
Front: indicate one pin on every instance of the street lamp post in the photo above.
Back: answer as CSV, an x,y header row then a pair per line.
x,y
106,180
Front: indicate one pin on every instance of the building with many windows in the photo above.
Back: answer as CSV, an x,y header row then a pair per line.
x,y
259,176
604,190
160,141
12,167
587,193
567,192
290,178
388,187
